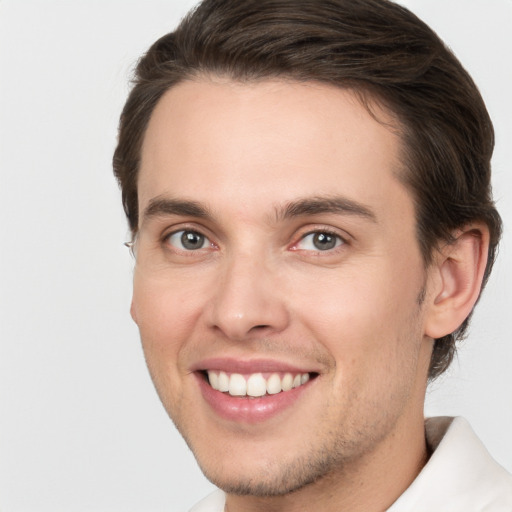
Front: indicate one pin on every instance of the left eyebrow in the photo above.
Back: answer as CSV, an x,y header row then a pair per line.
x,y
318,205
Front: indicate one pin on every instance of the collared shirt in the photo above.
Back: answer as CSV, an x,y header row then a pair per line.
x,y
460,476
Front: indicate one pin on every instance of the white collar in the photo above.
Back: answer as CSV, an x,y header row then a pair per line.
x,y
460,476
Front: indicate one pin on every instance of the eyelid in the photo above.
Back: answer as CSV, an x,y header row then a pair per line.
x,y
174,230
343,238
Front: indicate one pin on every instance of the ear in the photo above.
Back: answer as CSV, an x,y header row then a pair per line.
x,y
133,312
456,280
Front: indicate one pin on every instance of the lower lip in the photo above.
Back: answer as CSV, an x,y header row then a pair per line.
x,y
246,409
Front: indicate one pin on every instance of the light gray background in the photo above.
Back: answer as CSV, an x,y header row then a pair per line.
x,y
81,428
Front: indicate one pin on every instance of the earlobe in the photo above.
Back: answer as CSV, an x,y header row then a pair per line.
x,y
459,269
133,312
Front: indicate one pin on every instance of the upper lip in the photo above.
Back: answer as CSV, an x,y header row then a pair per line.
x,y
247,366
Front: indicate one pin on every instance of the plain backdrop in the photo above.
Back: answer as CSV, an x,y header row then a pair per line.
x,y
81,428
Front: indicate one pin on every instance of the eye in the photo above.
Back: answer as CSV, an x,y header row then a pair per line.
x,y
187,240
319,241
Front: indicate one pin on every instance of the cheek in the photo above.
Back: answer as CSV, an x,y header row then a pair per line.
x,y
367,319
166,313
164,305
374,338
164,324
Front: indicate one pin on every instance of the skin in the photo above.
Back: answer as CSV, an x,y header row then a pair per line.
x,y
258,288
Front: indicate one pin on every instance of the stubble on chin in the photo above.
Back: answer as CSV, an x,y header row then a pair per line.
x,y
278,478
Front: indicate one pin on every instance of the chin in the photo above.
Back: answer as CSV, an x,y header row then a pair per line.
x,y
270,478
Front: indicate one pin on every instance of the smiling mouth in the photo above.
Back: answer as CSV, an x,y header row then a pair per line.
x,y
255,385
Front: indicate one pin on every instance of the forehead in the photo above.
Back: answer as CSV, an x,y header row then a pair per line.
x,y
264,143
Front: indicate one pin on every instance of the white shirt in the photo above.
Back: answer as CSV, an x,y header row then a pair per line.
x,y
460,476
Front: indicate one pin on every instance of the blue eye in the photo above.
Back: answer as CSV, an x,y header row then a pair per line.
x,y
320,241
188,240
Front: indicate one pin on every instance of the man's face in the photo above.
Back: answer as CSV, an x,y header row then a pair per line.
x,y
276,248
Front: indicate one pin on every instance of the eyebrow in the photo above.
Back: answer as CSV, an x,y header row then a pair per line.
x,y
331,204
160,206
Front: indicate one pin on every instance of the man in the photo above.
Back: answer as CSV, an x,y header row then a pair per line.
x,y
308,188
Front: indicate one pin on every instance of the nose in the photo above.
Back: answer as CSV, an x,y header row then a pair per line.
x,y
248,300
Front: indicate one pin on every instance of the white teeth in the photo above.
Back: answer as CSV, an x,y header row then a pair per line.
x,y
223,381
274,384
237,385
287,382
214,380
255,385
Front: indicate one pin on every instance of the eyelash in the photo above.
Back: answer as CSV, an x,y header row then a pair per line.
x,y
166,239
340,241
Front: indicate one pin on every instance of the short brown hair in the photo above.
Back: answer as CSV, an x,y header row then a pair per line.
x,y
375,47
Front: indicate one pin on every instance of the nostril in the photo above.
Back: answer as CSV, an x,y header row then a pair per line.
x,y
260,327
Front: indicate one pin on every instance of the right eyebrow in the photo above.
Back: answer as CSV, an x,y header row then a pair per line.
x,y
160,206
